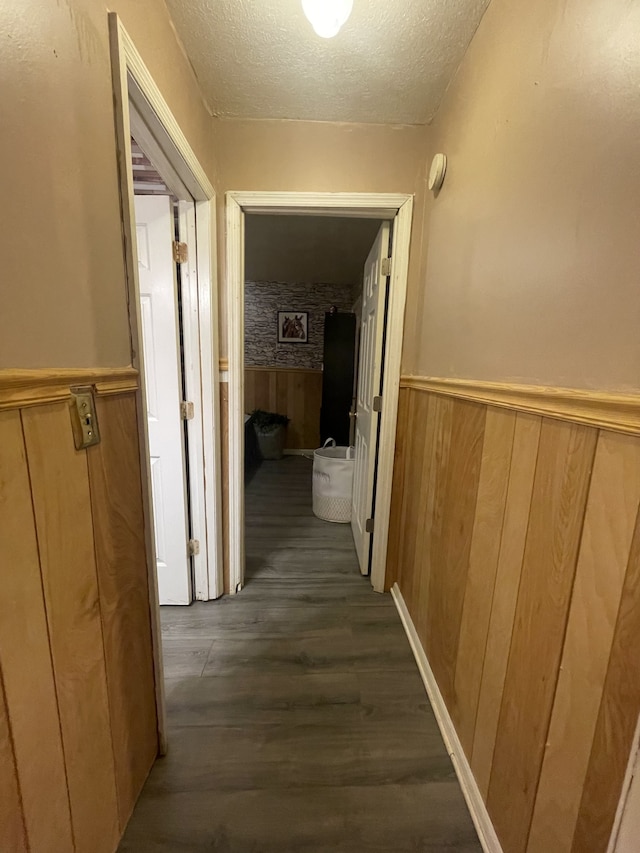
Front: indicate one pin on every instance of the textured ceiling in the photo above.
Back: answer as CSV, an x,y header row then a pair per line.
x,y
390,63
314,249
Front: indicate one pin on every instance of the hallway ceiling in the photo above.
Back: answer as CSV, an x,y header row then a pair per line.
x,y
313,249
390,63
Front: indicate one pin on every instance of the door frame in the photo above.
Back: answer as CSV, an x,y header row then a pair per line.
x,y
394,206
134,86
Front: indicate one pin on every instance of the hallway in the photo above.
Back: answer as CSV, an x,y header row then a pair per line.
x,y
297,717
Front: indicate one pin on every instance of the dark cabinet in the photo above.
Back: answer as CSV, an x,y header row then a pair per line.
x,y
337,376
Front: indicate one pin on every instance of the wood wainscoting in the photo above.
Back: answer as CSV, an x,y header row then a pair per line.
x,y
78,722
290,391
515,543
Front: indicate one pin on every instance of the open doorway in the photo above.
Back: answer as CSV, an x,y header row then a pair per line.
x,y
306,281
383,347
164,242
174,322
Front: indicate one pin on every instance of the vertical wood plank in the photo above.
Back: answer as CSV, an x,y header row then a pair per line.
x,y
397,491
249,391
60,488
455,510
12,827
440,411
520,489
404,565
312,403
563,470
25,654
118,523
282,403
612,508
262,390
296,399
420,462
272,378
224,471
483,564
617,718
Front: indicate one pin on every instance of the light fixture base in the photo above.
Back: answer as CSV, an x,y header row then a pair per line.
x,y
437,172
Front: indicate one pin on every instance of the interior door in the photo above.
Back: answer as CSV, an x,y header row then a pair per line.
x,y
369,386
160,340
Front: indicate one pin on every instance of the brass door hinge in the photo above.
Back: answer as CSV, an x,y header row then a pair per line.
x,y
180,252
385,267
186,410
193,547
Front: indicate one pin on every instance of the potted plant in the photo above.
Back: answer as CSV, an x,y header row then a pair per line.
x,y
270,429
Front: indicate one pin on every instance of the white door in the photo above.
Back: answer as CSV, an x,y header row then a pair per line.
x,y
160,340
374,296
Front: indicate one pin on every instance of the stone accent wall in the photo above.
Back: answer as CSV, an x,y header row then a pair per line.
x,y
263,300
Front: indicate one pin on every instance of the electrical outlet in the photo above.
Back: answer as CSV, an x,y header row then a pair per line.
x,y
84,421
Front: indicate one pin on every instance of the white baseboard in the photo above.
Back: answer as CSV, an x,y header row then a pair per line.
x,y
297,452
472,795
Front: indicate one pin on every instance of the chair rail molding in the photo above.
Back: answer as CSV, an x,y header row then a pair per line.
x,y
602,409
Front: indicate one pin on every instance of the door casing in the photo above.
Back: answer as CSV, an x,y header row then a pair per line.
x,y
138,103
393,206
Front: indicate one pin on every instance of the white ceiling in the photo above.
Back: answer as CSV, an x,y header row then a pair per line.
x,y
390,63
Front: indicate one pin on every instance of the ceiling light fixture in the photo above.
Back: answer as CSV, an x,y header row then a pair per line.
x,y
327,16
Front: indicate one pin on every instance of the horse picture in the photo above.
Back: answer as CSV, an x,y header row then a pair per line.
x,y
293,327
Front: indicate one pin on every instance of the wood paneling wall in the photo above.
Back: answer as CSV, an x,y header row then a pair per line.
x,y
296,393
78,727
515,542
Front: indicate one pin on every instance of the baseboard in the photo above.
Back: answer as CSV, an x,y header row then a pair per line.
x,y
472,795
298,452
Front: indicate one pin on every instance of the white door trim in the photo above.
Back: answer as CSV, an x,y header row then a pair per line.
x,y
132,81
398,207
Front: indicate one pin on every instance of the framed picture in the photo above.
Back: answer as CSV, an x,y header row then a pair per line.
x,y
293,327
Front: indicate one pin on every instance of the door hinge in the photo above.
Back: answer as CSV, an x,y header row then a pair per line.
x,y
180,252
186,410
193,547
368,525
377,404
385,267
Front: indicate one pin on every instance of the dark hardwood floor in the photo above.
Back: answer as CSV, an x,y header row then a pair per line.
x,y
297,717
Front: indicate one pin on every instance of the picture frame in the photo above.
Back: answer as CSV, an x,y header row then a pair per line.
x,y
293,327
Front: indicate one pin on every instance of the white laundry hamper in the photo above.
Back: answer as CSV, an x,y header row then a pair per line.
x,y
333,482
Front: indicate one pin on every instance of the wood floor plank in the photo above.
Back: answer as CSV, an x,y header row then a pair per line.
x,y
617,719
26,657
612,508
366,819
61,498
340,754
512,543
563,471
118,523
455,509
483,564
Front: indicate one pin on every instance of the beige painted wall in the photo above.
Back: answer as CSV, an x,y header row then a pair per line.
x,y
323,157
533,271
62,287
